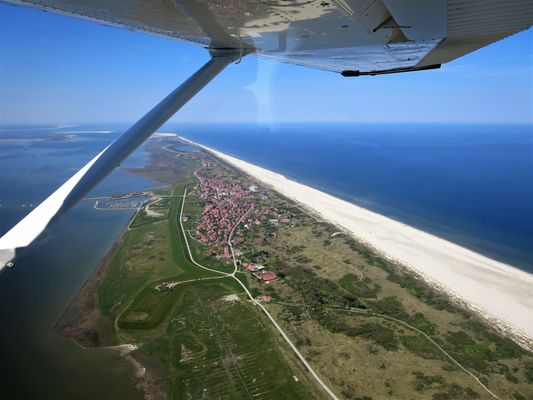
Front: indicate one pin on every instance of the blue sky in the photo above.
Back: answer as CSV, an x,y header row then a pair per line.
x,y
60,70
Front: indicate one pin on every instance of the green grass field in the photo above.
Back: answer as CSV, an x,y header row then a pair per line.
x,y
215,348
149,253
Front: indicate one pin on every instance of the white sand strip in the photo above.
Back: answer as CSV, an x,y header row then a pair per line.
x,y
501,293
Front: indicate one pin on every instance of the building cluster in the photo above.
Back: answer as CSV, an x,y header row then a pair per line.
x,y
224,209
260,272
227,204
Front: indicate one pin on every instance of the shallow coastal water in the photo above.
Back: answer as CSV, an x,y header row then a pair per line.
x,y
470,184
37,362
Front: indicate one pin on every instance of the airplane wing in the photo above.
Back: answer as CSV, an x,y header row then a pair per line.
x,y
356,36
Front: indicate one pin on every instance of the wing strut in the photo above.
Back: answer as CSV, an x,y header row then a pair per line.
x,y
31,226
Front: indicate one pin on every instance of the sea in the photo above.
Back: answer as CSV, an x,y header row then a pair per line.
x,y
469,183
36,361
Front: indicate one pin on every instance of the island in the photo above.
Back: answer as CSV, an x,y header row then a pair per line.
x,y
221,287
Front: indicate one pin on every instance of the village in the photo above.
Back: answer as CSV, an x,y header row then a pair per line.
x,y
230,211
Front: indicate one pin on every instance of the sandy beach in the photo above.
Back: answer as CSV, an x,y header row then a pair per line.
x,y
502,294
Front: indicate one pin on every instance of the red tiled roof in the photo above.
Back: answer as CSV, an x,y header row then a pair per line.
x,y
267,275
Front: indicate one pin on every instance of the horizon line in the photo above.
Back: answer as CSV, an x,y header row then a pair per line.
x,y
56,125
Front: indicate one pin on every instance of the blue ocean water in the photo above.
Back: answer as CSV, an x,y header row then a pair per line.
x,y
471,184
48,274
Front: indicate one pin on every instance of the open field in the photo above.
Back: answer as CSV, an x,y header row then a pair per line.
x,y
215,345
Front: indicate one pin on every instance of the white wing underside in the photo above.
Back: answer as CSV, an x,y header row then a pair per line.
x,y
336,35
